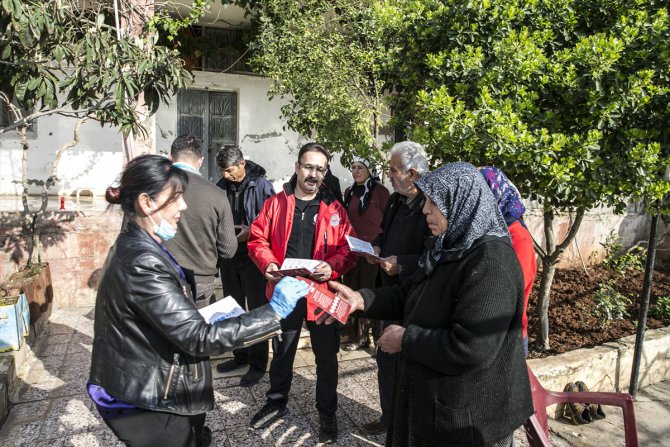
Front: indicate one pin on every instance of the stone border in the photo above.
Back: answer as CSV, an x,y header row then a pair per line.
x,y
608,367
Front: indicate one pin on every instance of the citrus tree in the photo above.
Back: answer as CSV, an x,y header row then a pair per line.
x,y
95,60
568,97
326,61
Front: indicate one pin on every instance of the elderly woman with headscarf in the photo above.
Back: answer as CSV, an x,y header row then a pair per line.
x,y
512,209
365,202
461,378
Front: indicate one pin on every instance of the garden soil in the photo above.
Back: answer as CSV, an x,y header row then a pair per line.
x,y
573,323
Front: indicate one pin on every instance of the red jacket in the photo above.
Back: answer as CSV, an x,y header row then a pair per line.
x,y
269,234
523,246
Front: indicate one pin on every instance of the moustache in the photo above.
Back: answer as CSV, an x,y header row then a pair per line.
x,y
312,180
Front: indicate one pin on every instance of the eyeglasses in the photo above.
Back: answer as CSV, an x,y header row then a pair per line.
x,y
316,169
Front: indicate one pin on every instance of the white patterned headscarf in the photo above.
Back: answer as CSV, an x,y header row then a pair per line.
x,y
461,194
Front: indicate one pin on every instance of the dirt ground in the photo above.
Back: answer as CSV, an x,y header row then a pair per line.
x,y
572,323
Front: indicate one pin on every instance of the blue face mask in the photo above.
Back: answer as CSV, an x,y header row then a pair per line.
x,y
164,230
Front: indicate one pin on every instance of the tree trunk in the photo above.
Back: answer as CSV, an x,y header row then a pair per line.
x,y
550,257
548,271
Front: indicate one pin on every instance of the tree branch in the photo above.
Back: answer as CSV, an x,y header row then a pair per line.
x,y
73,142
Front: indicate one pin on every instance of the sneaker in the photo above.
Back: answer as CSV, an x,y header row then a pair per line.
x,y
229,365
327,428
267,415
252,377
376,427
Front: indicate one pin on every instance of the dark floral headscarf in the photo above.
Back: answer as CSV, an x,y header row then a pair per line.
x,y
465,200
508,197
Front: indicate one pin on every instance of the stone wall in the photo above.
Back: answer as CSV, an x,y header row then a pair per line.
x,y
75,245
608,367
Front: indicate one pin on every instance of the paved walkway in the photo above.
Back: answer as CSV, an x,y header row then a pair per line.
x,y
52,408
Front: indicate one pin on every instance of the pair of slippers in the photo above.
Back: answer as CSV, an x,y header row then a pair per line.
x,y
579,413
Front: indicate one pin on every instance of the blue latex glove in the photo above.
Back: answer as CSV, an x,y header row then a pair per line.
x,y
286,295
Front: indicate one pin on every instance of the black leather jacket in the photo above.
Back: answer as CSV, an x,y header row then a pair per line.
x,y
150,344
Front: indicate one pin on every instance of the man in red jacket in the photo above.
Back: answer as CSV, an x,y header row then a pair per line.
x,y
303,221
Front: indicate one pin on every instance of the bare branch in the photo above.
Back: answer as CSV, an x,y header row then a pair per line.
x,y
75,139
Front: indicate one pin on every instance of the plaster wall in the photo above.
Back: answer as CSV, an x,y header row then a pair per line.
x,y
92,164
261,132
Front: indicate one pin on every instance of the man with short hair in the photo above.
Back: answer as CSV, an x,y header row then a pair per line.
x,y
303,221
404,231
247,190
206,232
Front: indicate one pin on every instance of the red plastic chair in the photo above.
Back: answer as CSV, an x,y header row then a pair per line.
x,y
537,427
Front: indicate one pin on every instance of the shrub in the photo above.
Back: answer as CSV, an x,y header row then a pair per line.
x,y
662,307
619,262
610,304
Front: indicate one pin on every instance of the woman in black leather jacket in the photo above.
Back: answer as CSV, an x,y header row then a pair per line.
x,y
150,375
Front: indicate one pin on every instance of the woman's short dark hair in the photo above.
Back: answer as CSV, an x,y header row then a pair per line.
x,y
228,156
150,174
314,147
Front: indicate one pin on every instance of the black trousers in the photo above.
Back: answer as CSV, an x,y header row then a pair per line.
x,y
153,428
325,341
385,378
243,281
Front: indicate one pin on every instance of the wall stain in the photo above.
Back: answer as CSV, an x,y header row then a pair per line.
x,y
257,138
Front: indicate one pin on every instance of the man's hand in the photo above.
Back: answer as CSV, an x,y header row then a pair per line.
x,y
243,234
353,298
372,260
391,339
272,267
390,265
322,272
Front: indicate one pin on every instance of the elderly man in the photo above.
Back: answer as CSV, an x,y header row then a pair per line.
x,y
206,232
404,231
303,221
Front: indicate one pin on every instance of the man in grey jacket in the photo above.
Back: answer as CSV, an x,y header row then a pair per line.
x,y
206,232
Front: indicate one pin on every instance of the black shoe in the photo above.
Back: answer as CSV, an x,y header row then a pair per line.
x,y
327,428
252,377
267,415
230,365
206,437
376,427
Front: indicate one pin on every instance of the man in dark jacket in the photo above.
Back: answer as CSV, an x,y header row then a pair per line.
x,y
404,232
206,232
247,190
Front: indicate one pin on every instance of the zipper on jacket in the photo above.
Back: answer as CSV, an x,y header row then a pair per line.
x,y
325,242
168,384
196,366
278,332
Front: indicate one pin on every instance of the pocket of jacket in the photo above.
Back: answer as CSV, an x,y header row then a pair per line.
x,y
453,424
172,374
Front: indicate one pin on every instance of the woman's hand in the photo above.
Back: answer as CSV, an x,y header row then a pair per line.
x,y
353,298
391,339
322,272
390,265
286,295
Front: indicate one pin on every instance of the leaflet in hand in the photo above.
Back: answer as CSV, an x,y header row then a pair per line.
x,y
295,267
327,300
221,310
360,246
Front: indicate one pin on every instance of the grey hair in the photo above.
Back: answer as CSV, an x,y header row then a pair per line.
x,y
412,156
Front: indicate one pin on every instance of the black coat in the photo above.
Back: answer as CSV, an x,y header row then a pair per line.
x,y
150,344
404,234
461,379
